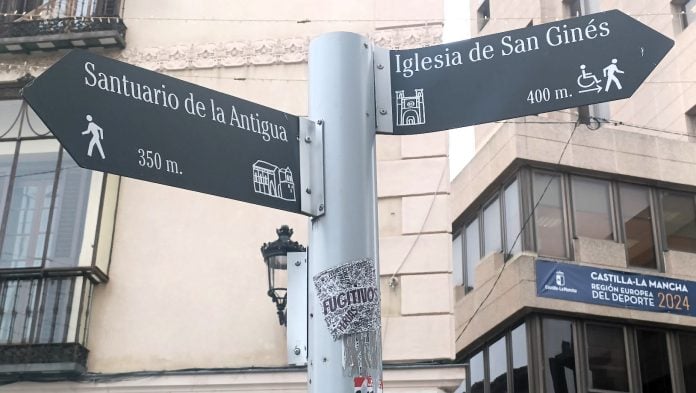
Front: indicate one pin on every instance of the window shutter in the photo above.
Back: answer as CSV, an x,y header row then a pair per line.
x,y
69,215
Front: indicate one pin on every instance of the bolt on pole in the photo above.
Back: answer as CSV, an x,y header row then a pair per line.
x,y
341,95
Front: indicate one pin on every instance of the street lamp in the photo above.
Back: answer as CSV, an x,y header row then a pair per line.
x,y
275,256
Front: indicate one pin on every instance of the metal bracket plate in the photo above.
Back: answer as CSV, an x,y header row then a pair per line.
x,y
383,91
312,167
297,308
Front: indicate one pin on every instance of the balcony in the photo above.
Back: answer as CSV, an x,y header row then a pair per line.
x,y
60,24
43,327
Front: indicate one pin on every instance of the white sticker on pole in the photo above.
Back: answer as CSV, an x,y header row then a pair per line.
x,y
349,298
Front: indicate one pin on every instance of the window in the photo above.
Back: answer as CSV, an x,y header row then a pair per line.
x,y
520,372
683,14
572,8
679,218
497,366
491,228
654,361
592,208
549,216
559,355
691,121
54,216
573,356
687,346
38,311
495,228
59,9
44,198
636,216
476,374
513,229
606,358
457,258
473,253
484,14
489,369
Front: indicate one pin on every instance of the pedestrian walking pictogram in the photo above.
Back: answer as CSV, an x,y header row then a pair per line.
x,y
610,72
97,135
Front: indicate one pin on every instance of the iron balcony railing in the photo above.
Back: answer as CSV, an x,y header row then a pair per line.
x,y
28,25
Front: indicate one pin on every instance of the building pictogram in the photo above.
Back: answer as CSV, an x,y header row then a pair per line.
x,y
410,110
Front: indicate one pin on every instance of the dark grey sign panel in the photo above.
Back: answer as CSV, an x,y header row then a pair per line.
x,y
569,63
117,118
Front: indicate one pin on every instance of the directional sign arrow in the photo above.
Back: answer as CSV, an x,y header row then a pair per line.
x,y
569,63
117,118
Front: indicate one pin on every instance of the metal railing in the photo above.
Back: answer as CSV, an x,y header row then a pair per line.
x,y
56,9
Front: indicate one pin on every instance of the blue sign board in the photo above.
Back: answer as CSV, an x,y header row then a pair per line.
x,y
614,288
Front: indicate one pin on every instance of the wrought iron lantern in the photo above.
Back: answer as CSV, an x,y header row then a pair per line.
x,y
275,256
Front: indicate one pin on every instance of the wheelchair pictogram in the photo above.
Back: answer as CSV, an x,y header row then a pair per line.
x,y
588,81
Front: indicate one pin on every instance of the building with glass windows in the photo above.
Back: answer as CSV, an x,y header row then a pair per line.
x,y
574,232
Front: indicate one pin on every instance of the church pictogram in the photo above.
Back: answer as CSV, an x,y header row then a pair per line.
x,y
273,181
410,110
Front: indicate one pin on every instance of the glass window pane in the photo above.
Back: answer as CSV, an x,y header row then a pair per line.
x,y
473,253
69,213
550,227
559,356
606,355
17,310
55,310
592,208
457,259
654,361
687,344
27,220
679,212
10,111
520,379
476,375
512,219
497,366
637,222
7,153
491,228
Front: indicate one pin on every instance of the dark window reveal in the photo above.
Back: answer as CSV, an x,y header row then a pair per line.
x,y
654,361
636,216
679,214
559,356
606,356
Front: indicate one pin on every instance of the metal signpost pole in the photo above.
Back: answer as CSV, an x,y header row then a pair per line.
x,y
341,98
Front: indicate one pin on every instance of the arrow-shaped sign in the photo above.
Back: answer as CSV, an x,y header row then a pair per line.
x,y
117,118
569,63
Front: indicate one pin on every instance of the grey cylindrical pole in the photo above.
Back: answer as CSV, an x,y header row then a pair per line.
x,y
341,94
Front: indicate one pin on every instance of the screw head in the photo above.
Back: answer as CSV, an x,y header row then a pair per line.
x,y
308,190
382,112
298,263
297,351
307,139
380,67
321,207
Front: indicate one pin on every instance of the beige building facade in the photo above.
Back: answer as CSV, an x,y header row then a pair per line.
x,y
606,193
129,286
